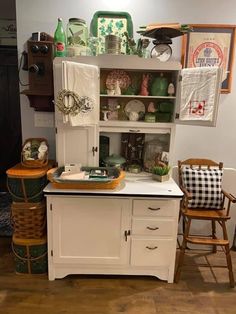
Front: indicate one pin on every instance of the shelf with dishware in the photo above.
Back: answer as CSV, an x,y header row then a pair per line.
x,y
137,109
137,95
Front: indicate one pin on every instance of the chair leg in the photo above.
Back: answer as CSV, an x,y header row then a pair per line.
x,y
229,264
228,257
213,227
182,251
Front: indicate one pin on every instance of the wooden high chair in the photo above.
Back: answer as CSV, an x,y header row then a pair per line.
x,y
204,199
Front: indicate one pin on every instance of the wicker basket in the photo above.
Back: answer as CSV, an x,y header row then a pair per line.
x,y
29,220
54,173
26,185
30,255
35,163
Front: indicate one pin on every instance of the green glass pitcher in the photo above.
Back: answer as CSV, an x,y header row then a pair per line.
x,y
159,86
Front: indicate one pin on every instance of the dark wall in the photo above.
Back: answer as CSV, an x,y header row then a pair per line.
x,y
8,9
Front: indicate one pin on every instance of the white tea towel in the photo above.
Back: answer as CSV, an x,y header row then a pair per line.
x,y
199,93
83,80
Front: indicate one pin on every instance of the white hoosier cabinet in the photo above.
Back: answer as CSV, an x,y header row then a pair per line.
x,y
132,229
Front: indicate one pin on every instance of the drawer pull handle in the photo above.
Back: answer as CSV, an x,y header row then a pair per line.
x,y
157,208
151,247
134,131
152,228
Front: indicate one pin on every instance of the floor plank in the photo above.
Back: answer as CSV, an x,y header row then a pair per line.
x,y
200,289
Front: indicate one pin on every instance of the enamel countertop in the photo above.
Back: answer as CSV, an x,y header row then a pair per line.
x,y
131,186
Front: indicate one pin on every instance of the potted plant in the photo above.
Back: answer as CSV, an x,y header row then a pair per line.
x,y
160,172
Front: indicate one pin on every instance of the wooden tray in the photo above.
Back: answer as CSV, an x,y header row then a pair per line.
x,y
92,184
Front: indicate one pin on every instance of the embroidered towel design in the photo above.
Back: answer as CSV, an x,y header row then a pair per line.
x,y
198,93
81,79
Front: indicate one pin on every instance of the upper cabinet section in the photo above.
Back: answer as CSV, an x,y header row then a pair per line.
x,y
134,90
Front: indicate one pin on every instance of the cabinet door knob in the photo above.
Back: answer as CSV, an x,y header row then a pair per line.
x,y
157,208
152,228
151,247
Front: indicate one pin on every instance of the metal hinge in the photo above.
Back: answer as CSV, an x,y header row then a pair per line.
x,y
127,233
180,78
177,116
94,149
50,206
56,130
51,252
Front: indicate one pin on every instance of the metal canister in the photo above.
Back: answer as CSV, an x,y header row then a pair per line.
x,y
112,44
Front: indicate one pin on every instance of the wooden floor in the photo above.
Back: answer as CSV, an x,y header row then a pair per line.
x,y
200,290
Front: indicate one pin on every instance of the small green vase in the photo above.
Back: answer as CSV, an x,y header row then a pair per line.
x,y
159,86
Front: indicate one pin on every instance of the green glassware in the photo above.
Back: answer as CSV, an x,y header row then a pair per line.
x,y
59,40
159,86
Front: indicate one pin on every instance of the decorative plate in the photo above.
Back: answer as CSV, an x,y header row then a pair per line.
x,y
135,106
118,75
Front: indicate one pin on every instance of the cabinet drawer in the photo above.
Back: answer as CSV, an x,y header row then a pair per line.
x,y
153,227
151,252
153,208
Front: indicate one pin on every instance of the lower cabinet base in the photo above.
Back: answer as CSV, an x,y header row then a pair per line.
x,y
61,271
112,236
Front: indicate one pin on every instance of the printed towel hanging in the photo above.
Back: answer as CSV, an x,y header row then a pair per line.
x,y
199,93
78,99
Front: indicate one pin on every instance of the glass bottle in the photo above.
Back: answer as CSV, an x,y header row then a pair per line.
x,y
59,40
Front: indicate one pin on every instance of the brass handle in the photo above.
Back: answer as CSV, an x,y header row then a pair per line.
x,y
134,131
152,228
151,208
151,247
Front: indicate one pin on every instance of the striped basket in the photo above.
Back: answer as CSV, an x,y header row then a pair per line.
x,y
29,220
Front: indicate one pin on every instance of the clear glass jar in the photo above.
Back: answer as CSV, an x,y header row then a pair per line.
x,y
77,36
93,46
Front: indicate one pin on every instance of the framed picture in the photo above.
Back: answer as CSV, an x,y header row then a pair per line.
x,y
210,45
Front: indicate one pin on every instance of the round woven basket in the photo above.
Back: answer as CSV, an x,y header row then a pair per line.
x,y
35,163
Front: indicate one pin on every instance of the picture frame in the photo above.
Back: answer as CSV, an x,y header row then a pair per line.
x,y
210,45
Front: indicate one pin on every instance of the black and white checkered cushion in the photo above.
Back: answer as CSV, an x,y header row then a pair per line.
x,y
204,186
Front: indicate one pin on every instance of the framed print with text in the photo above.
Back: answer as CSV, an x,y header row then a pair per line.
x,y
210,45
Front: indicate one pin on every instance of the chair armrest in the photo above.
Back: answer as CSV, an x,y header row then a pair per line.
x,y
229,196
186,193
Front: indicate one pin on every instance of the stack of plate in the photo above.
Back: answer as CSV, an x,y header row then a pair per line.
x,y
112,44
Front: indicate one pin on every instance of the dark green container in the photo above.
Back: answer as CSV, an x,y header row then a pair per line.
x,y
30,255
163,117
27,184
159,86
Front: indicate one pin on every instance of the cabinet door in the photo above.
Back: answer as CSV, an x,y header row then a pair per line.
x,y
90,230
198,96
77,145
